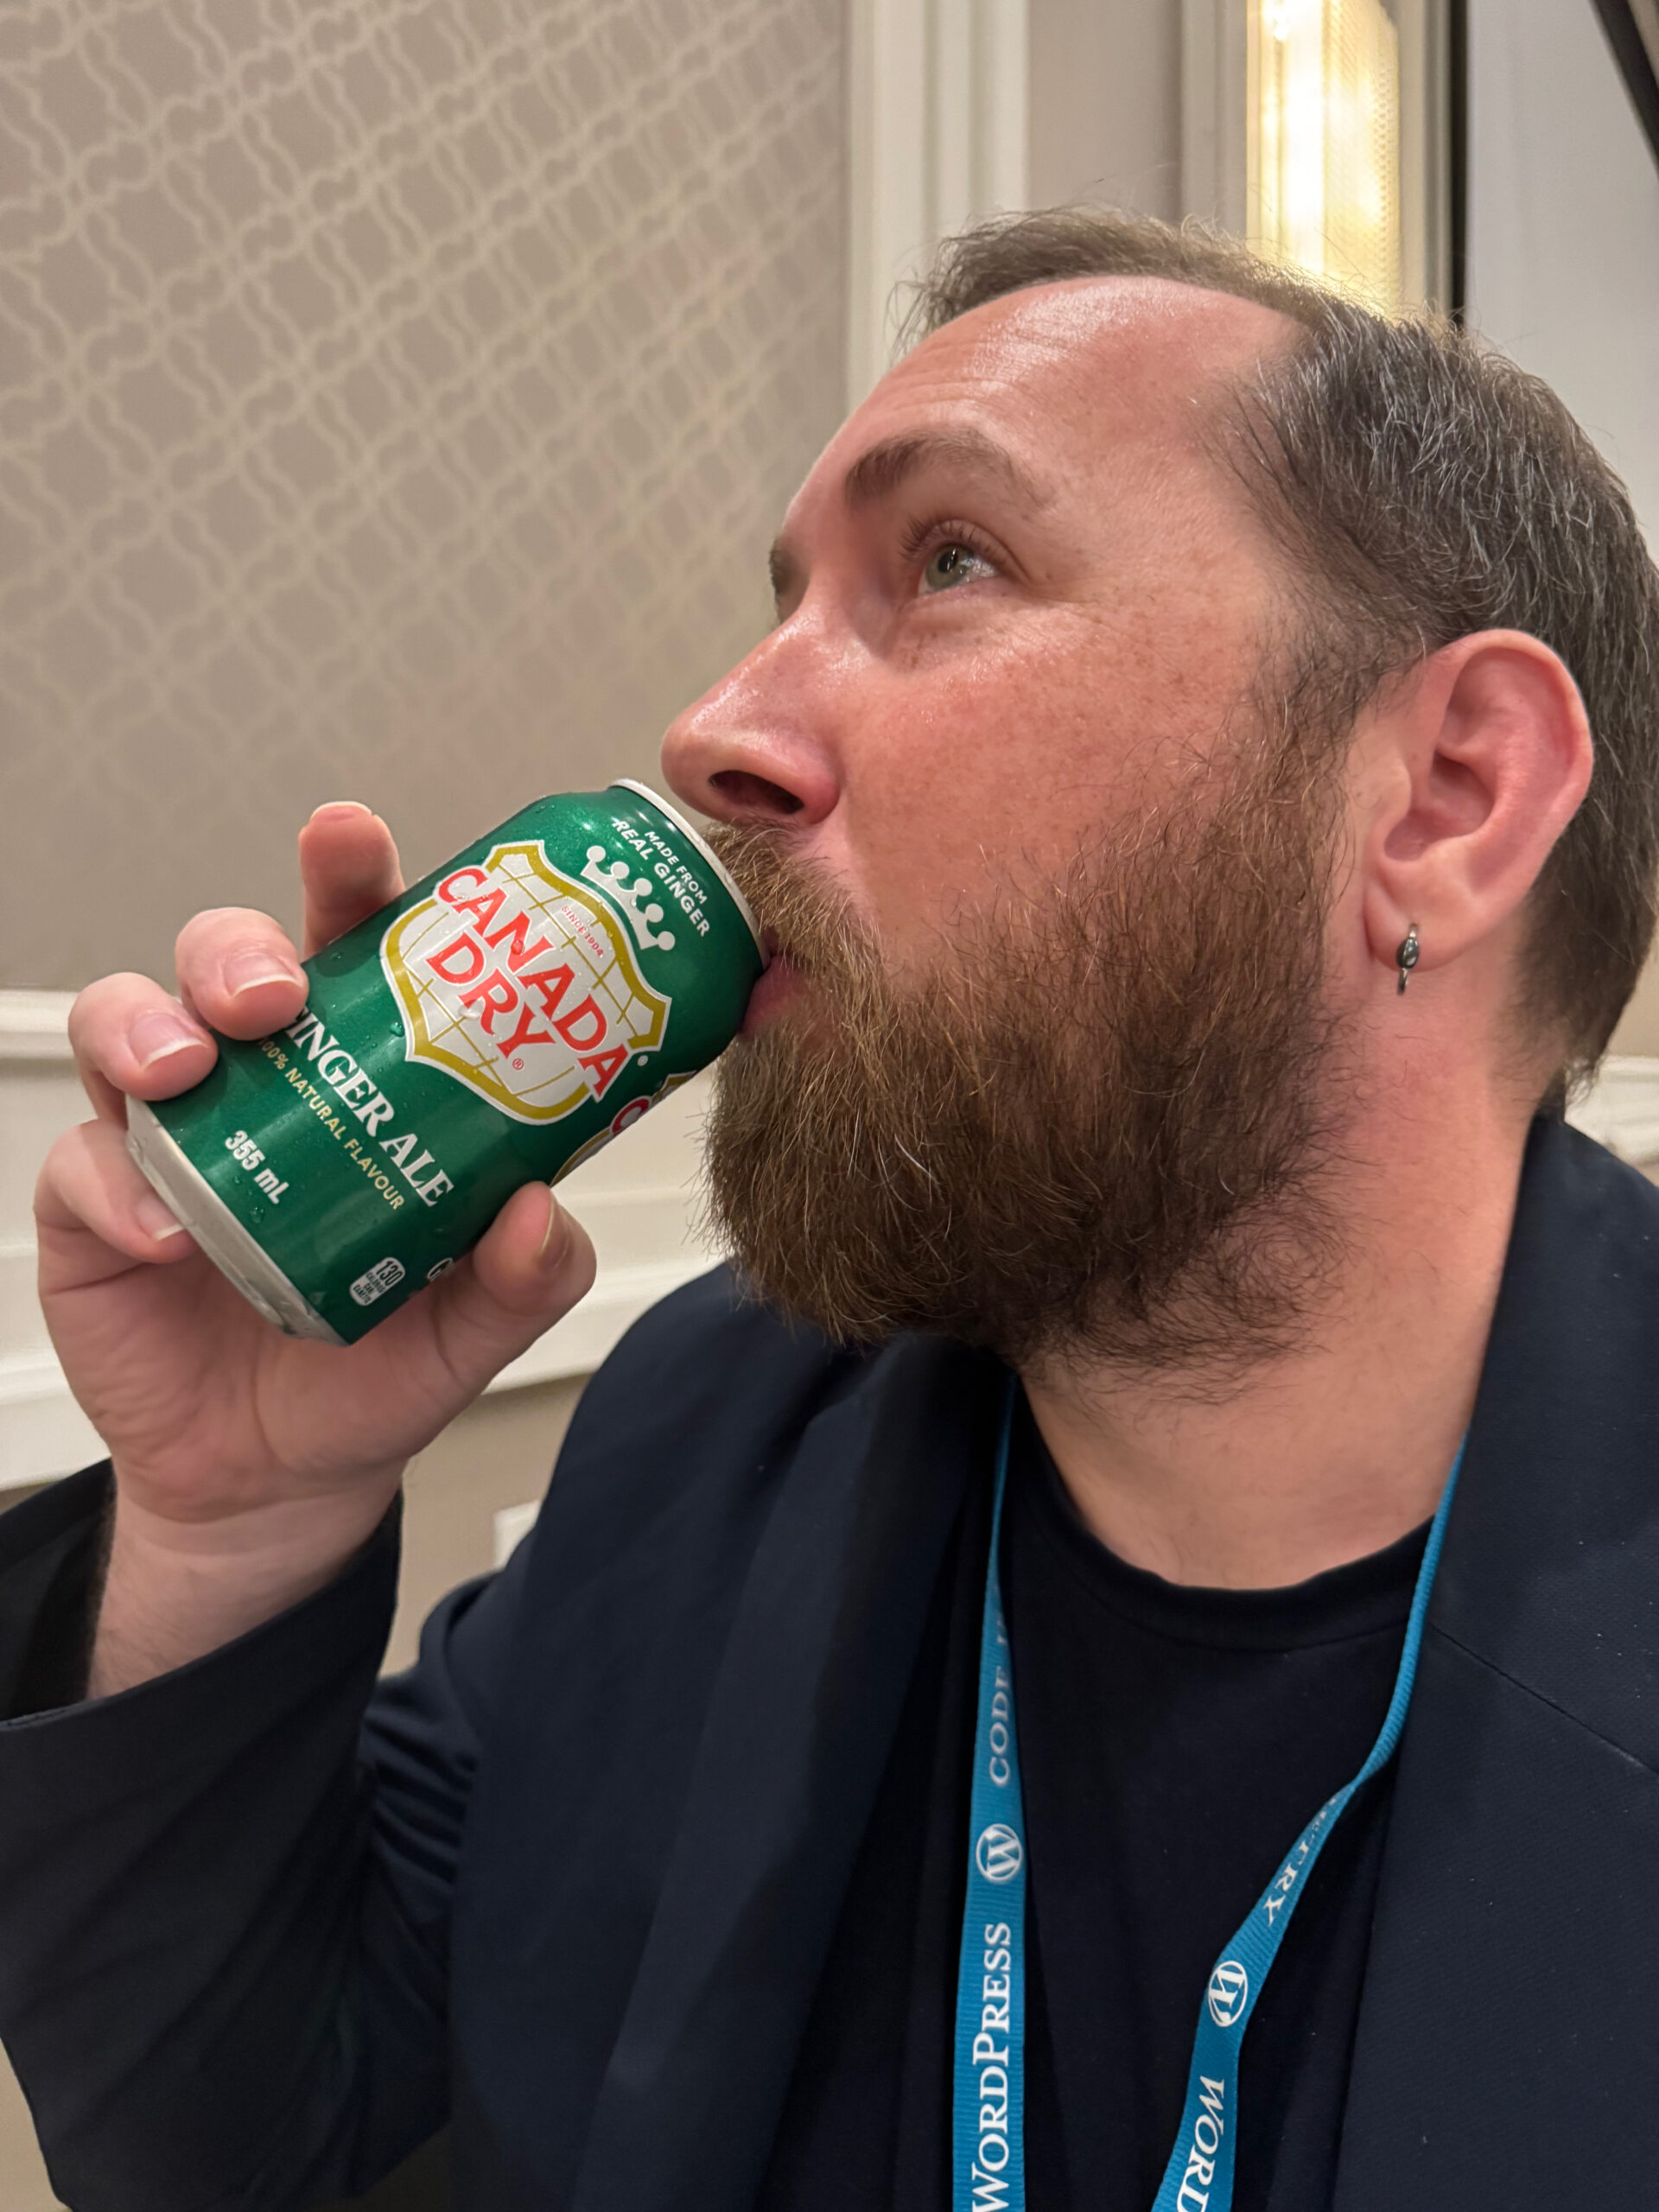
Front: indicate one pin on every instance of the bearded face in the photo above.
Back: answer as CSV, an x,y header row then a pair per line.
x,y
1089,1126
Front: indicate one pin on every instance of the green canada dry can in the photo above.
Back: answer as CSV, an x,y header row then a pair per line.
x,y
497,1023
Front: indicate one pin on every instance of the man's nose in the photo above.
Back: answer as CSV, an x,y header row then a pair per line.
x,y
755,748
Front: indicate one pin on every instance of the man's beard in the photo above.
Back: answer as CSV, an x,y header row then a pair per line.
x,y
1092,1130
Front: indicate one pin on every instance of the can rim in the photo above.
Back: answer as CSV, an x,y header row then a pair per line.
x,y
644,791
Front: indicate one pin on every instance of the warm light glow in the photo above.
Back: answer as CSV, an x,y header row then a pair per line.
x,y
1325,141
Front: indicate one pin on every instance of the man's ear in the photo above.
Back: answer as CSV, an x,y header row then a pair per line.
x,y
1481,757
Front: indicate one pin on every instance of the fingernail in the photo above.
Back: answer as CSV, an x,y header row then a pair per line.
x,y
250,971
553,1235
342,806
154,1219
158,1035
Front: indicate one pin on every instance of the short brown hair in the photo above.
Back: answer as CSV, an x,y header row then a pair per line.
x,y
1425,487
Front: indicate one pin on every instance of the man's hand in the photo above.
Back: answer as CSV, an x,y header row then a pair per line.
x,y
249,1466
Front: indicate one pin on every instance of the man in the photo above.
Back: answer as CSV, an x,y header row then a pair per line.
x,y
1203,791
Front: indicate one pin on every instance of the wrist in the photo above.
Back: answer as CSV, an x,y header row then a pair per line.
x,y
176,1590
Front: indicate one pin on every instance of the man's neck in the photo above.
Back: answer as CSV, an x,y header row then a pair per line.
x,y
1340,1448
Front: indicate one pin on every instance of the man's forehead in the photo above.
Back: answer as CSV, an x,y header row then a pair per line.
x,y
1058,372
1126,326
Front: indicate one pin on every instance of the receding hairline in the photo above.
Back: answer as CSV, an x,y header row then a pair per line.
x,y
1282,310
1268,341
1297,309
1066,246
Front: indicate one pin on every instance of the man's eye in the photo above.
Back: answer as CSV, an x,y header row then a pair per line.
x,y
954,563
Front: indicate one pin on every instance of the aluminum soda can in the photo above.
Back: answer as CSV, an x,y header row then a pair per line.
x,y
496,1025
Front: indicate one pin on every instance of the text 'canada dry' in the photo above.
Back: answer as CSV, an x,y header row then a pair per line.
x,y
494,1026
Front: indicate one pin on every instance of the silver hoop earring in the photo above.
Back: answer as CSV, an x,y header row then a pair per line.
x,y
1407,956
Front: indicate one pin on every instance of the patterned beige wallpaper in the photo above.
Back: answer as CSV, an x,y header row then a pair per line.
x,y
395,403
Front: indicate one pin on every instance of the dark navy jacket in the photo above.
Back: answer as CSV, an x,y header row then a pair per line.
x,y
572,1882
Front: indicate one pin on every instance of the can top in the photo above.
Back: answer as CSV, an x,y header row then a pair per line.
x,y
645,792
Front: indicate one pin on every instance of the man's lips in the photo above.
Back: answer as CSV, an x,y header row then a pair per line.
x,y
779,983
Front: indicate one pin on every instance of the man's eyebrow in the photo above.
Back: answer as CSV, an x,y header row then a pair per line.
x,y
878,473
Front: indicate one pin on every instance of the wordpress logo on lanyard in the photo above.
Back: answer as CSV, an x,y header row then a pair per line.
x,y
1228,1988
999,1852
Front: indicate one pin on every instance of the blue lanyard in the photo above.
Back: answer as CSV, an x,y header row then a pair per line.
x,y
987,2129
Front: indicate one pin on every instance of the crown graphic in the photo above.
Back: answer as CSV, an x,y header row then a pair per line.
x,y
613,882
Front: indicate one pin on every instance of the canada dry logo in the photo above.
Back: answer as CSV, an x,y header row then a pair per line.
x,y
998,1854
1228,1988
520,982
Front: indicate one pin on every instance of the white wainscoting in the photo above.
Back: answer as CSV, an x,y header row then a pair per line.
x,y
637,1200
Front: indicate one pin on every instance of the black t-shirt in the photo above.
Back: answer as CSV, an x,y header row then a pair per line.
x,y
1175,1743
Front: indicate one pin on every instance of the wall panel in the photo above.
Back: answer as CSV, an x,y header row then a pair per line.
x,y
401,401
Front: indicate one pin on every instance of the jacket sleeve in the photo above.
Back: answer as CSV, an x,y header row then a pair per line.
x,y
225,1895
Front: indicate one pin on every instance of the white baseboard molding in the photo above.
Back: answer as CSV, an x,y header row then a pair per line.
x,y
44,1433
35,1025
1621,1109
634,1199
577,1344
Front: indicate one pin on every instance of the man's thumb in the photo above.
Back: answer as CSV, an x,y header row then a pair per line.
x,y
531,1267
